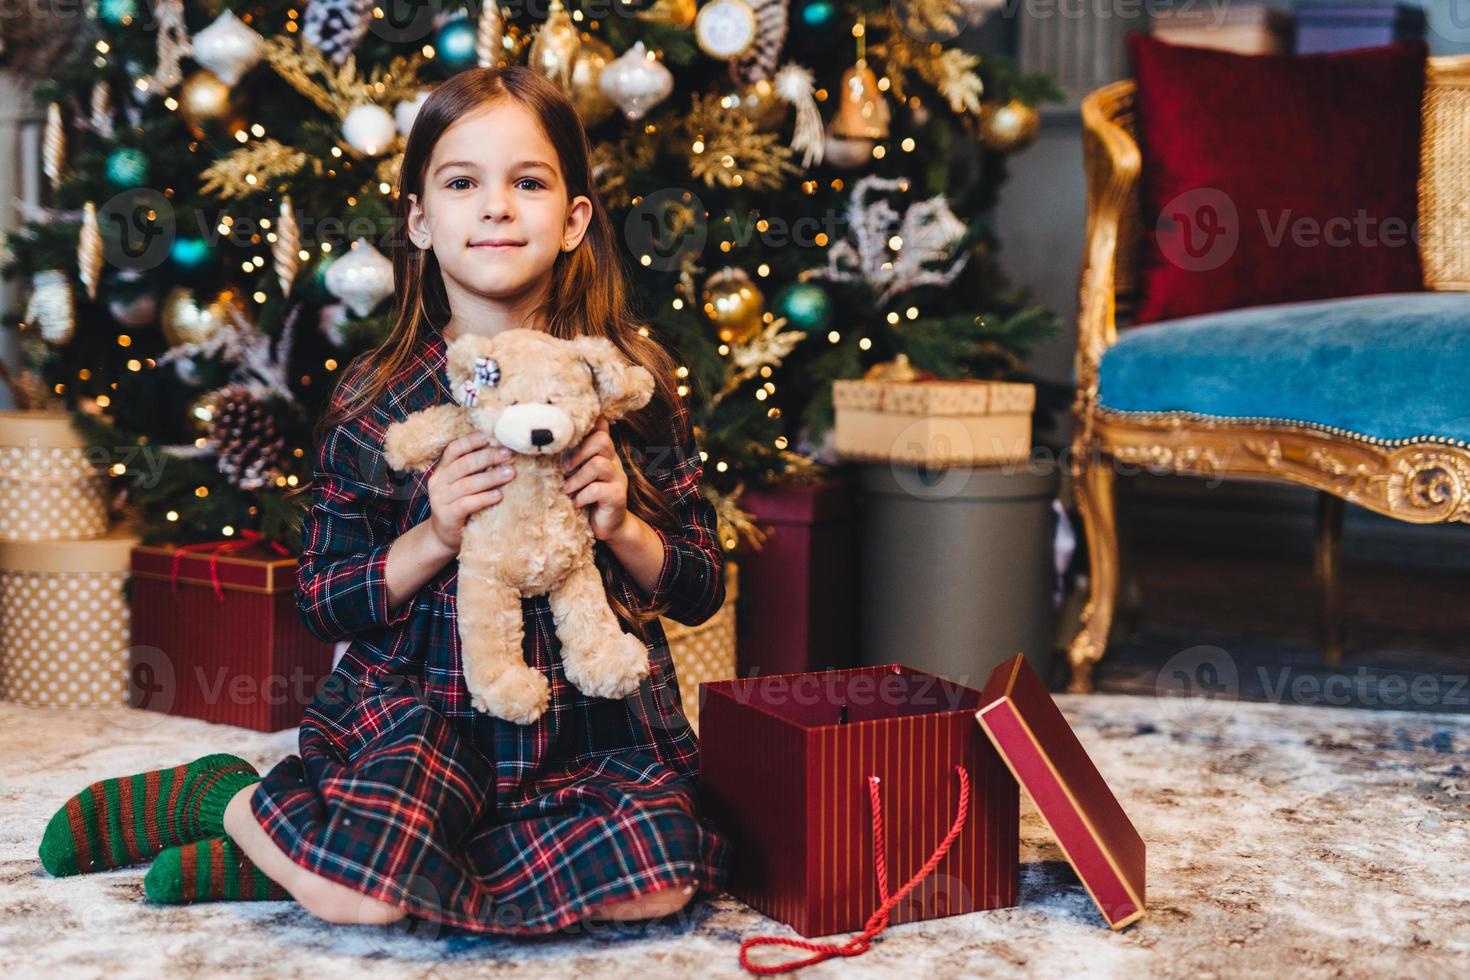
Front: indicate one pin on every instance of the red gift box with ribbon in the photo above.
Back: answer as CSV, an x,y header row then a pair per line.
x,y
858,798
216,634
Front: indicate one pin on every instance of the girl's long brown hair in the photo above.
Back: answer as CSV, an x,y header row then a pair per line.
x,y
588,294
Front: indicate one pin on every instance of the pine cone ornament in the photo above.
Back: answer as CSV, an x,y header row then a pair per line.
x,y
242,435
771,19
335,26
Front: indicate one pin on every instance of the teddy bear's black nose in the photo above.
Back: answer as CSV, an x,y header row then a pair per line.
x,y
540,437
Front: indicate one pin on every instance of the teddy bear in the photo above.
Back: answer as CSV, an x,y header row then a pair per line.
x,y
539,395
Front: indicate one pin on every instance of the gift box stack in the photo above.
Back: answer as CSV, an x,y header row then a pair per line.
x,y
932,422
793,768
63,614
799,610
217,636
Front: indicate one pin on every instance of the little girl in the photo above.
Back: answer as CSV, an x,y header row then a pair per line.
x,y
405,800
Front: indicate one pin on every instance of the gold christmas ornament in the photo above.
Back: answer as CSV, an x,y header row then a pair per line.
x,y
186,322
725,29
102,110
675,13
586,94
51,307
1008,127
89,250
285,250
554,48
205,98
490,38
201,413
734,304
53,146
863,112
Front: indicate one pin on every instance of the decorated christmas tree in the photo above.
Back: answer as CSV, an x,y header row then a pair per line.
x,y
802,186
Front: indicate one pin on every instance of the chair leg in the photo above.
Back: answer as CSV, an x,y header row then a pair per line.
x,y
1329,574
1094,490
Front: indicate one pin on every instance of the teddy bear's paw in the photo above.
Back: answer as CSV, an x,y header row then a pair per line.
x,y
614,670
395,450
518,695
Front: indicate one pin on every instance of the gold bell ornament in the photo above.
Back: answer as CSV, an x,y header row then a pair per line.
x,y
862,112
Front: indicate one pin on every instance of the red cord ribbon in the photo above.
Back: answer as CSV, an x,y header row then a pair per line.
x,y
878,921
224,546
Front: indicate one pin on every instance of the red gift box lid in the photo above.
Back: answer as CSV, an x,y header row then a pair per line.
x,y
253,569
1028,730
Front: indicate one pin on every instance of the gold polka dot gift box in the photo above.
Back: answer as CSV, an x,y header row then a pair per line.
x,y
64,621
52,487
932,422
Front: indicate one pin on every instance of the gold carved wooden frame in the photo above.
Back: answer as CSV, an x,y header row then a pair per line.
x,y
1422,480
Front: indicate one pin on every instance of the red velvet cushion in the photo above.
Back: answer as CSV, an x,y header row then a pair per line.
x,y
1276,178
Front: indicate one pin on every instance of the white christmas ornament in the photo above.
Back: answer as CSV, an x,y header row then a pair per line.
x,y
369,129
636,81
978,12
228,47
52,306
725,29
405,112
893,255
362,278
794,84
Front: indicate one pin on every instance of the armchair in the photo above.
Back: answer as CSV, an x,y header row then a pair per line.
x,y
1176,400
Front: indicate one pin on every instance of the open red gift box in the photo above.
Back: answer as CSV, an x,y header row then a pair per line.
x,y
785,763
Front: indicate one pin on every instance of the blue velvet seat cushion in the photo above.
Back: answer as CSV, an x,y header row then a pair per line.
x,y
1394,366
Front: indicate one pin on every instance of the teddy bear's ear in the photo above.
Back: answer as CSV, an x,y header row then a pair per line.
x,y
622,387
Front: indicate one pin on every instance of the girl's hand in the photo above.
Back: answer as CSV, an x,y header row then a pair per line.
x,y
465,480
595,476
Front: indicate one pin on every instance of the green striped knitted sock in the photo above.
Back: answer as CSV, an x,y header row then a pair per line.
x,y
213,870
129,819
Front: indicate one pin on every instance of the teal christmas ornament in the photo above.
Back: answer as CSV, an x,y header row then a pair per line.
x,y
126,167
454,45
118,12
189,253
805,305
818,15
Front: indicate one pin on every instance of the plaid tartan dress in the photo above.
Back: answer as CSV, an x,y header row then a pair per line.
x,y
406,793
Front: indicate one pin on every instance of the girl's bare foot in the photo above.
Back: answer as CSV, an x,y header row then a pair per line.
x,y
322,897
666,901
